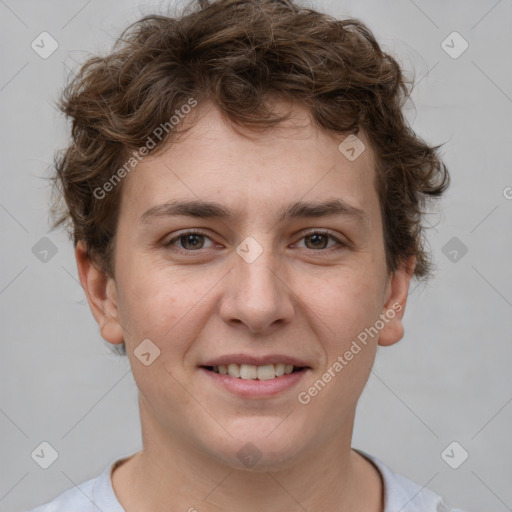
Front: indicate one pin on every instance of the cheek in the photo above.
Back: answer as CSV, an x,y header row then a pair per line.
x,y
347,302
168,311
345,315
344,311
163,306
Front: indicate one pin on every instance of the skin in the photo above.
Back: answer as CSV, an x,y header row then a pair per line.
x,y
293,299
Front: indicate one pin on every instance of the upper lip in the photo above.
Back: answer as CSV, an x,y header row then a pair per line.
x,y
255,360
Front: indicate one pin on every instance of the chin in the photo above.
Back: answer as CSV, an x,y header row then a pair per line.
x,y
259,445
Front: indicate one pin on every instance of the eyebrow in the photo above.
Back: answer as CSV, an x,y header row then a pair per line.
x,y
209,210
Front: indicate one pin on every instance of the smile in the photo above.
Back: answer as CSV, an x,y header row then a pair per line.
x,y
253,372
255,382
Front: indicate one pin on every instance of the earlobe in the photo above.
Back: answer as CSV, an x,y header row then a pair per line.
x,y
395,301
101,295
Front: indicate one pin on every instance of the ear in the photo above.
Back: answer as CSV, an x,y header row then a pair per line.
x,y
395,299
101,294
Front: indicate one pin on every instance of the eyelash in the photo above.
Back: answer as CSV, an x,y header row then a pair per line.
x,y
340,243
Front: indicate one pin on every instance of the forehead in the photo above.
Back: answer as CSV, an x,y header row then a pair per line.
x,y
263,174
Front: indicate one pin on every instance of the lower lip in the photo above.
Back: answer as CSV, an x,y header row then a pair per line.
x,y
253,388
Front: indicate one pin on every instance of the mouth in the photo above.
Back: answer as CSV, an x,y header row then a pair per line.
x,y
253,372
248,381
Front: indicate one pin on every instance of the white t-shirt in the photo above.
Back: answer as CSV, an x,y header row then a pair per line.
x,y
400,494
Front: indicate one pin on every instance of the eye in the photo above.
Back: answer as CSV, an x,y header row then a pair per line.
x,y
190,241
318,240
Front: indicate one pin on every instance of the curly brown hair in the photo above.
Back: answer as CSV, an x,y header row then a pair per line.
x,y
241,55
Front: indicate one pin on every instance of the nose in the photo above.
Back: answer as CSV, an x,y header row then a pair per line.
x,y
258,294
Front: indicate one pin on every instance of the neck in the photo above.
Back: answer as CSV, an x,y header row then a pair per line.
x,y
171,474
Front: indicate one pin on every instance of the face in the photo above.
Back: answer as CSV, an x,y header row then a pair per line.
x,y
292,273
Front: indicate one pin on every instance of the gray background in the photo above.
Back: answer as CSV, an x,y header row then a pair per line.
x,y
449,379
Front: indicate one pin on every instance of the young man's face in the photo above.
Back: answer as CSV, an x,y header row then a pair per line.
x,y
255,284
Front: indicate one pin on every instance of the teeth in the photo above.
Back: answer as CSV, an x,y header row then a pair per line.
x,y
248,371
266,372
279,369
234,370
252,372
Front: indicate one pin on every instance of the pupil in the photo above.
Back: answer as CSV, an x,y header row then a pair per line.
x,y
191,238
318,238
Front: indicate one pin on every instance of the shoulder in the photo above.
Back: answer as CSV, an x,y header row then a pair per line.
x,y
90,496
403,494
77,497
